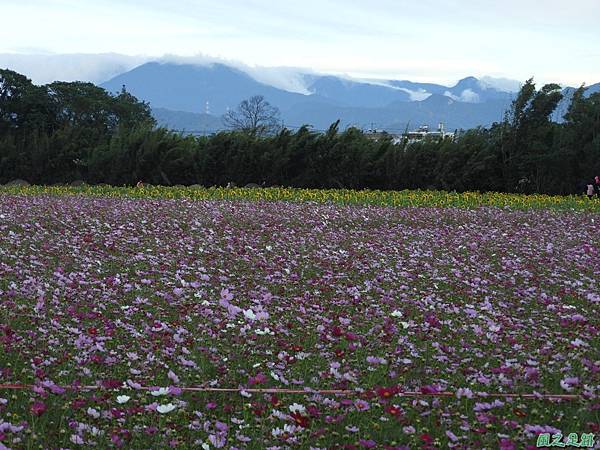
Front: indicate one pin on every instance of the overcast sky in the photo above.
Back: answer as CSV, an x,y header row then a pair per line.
x,y
425,40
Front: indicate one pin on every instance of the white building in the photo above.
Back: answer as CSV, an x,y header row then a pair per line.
x,y
410,137
423,134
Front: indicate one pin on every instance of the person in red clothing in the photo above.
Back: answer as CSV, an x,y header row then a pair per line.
x,y
597,185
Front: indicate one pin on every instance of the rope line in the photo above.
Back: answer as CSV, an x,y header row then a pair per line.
x,y
346,392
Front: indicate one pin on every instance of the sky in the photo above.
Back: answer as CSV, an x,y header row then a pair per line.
x,y
438,41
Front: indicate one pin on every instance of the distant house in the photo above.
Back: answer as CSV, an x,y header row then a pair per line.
x,y
410,137
423,134
378,135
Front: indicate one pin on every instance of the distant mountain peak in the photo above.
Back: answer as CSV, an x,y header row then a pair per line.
x,y
176,89
468,80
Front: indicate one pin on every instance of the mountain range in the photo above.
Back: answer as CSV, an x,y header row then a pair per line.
x,y
194,97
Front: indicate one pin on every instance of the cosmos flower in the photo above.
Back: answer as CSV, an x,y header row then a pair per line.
x,y
164,409
38,408
464,392
173,377
123,399
159,392
367,443
404,297
76,439
568,383
361,405
295,407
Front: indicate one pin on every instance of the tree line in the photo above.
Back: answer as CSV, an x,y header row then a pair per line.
x,y
61,132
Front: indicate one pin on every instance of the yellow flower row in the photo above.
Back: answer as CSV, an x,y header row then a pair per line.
x,y
338,196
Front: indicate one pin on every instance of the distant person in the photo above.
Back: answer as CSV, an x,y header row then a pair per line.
x,y
597,185
590,190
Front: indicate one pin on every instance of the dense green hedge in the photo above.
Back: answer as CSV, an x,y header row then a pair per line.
x,y
70,131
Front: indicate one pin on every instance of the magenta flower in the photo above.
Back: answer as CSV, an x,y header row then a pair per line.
x,y
507,444
38,408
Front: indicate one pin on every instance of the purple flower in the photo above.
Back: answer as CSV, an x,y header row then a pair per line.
x,y
367,443
451,436
507,444
218,441
361,405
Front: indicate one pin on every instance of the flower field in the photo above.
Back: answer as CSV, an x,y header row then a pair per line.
x,y
330,320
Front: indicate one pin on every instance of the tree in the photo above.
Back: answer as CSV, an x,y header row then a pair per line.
x,y
254,116
580,142
529,137
23,106
131,112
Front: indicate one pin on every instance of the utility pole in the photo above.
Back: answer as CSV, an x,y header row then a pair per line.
x,y
207,112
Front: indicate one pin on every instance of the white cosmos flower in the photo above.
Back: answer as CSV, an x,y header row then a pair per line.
x,y
287,429
291,429
297,408
123,399
396,313
405,325
159,392
164,409
249,314
265,331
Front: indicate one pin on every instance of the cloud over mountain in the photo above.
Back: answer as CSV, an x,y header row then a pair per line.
x,y
185,91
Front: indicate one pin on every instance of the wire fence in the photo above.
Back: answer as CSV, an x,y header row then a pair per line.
x,y
310,391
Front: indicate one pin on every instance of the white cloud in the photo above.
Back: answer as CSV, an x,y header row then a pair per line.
x,y
47,68
467,96
286,78
501,84
380,38
414,95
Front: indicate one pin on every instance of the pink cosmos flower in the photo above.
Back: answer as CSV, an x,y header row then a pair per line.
x,y
38,408
258,379
173,377
361,405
